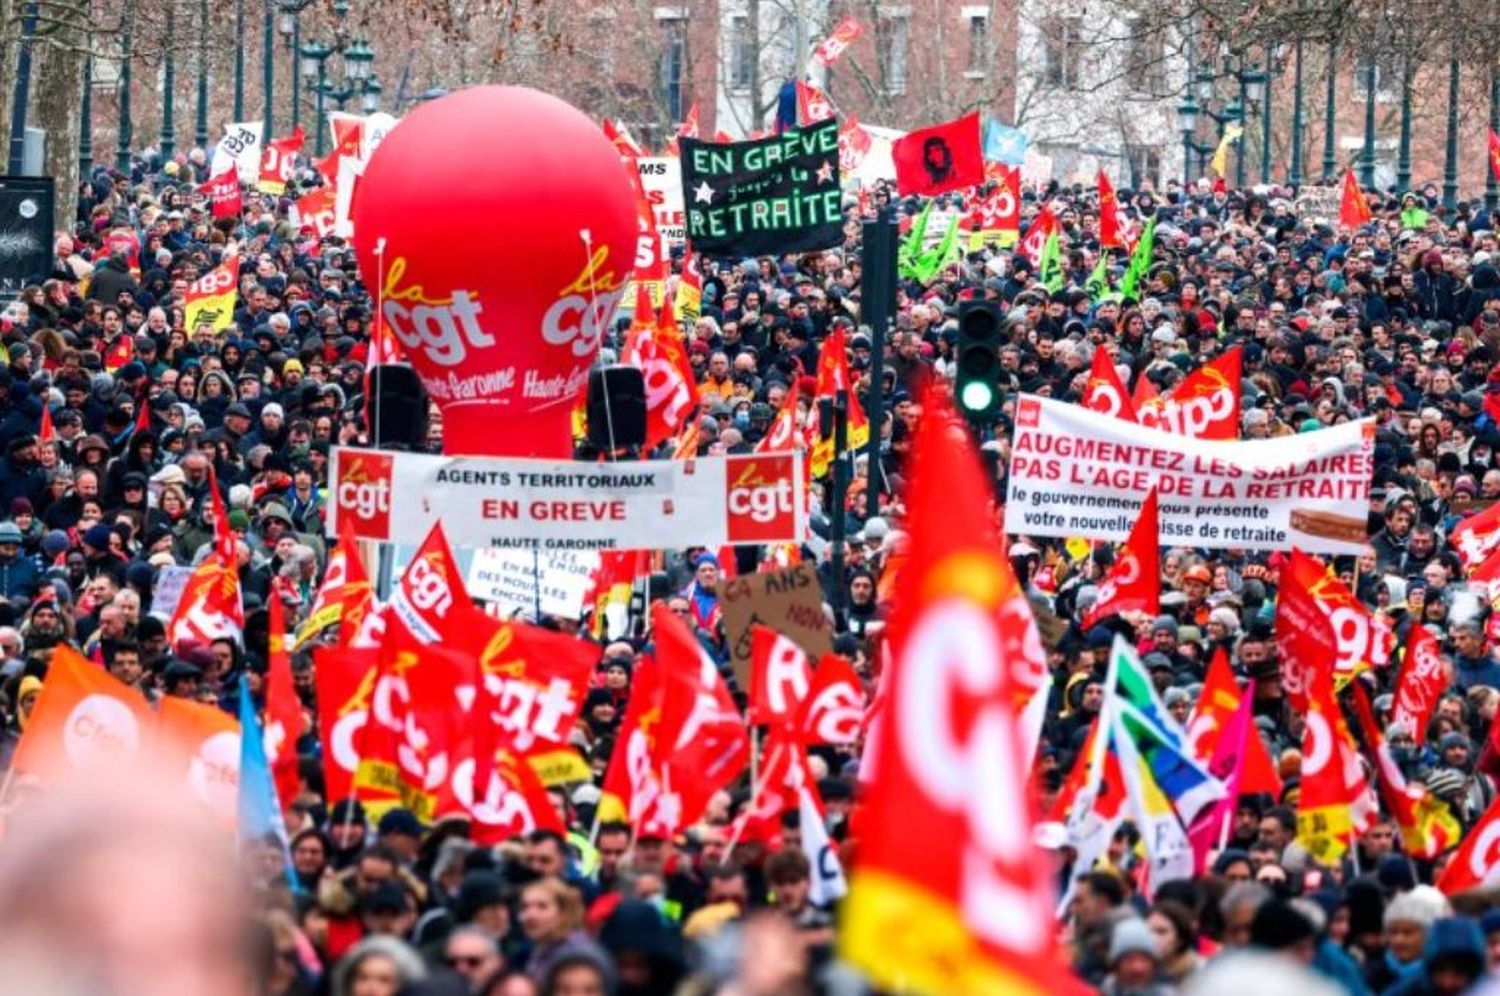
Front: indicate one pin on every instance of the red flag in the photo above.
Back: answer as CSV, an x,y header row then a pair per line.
x,y
1037,233
210,608
783,434
317,211
1335,803
813,104
830,49
514,801
143,418
1217,704
632,781
1204,405
283,714
1354,210
775,791
1494,150
934,160
997,218
278,160
46,433
703,744
779,676
1423,678
833,710
1477,536
119,352
1477,862
854,144
1111,228
345,680
620,137
1427,826
223,193
947,756
348,135
345,595
833,377
1105,392
1322,627
224,538
689,126
1133,583
656,348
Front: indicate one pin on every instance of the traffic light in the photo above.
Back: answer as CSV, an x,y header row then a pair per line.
x,y
977,381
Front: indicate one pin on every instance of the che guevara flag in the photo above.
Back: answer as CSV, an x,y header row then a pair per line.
x,y
974,915
948,156
210,299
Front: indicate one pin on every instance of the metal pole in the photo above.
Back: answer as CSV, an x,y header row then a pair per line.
x,y
168,82
122,145
200,136
1187,158
22,93
1265,120
879,265
1403,156
86,122
268,69
1367,154
1450,158
838,409
296,76
1330,122
1295,175
1491,185
239,60
1239,146
319,106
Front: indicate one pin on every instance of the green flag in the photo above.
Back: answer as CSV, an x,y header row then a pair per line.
x,y
910,249
1140,262
1049,270
929,264
1097,284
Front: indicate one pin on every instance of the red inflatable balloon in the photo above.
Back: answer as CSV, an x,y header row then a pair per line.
x,y
497,225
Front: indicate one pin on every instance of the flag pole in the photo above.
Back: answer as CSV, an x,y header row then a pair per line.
x,y
757,787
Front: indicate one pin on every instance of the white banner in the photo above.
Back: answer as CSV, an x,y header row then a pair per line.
x,y
661,179
1074,472
240,145
562,505
555,580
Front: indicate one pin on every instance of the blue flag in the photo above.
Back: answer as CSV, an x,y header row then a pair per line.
x,y
1004,144
259,808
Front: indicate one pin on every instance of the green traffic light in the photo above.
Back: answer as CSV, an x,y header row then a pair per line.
x,y
976,396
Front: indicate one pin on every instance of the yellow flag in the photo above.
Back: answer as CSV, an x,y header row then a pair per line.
x,y
1232,133
210,299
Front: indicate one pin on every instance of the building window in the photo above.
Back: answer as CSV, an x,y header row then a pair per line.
x,y
977,19
1145,163
673,68
1062,51
1146,69
741,52
896,37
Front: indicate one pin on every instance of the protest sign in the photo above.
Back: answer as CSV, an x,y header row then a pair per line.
x,y
661,179
789,601
553,580
170,584
773,195
507,502
1077,472
240,146
1319,202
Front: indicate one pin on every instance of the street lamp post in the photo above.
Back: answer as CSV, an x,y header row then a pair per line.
x,y
1295,176
370,102
1266,132
1330,122
168,83
239,60
123,136
1403,154
314,54
200,138
268,70
1450,158
1491,184
1187,121
1253,88
86,122
1367,153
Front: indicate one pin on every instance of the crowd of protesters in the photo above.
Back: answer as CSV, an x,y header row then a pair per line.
x,y
1399,320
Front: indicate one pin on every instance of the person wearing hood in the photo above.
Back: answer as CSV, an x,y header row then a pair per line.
x,y
27,691
1452,961
647,949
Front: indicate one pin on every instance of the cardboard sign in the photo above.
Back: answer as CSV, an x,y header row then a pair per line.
x,y
661,179
789,601
1318,202
170,584
520,579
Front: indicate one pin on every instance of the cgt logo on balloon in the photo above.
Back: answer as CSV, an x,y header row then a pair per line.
x,y
446,330
758,497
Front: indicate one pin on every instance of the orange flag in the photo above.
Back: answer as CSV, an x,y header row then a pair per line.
x,y
1111,230
948,757
46,433
203,742
83,720
1354,210
283,711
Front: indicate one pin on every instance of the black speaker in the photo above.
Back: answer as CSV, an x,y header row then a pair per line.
x,y
25,232
617,407
398,409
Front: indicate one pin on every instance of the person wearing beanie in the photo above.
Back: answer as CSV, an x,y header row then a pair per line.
x,y
1281,927
1134,961
19,572
1408,921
